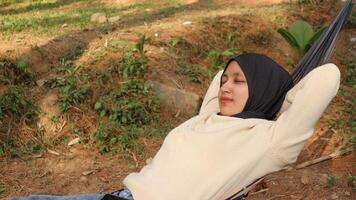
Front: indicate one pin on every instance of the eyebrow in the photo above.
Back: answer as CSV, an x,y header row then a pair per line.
x,y
234,74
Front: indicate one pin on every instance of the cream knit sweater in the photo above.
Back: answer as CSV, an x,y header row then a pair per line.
x,y
212,156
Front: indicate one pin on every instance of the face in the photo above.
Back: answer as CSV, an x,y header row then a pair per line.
x,y
233,93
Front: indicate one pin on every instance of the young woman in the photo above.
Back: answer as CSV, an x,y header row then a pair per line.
x,y
252,122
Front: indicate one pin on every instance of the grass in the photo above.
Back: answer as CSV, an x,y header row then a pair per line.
x,y
47,17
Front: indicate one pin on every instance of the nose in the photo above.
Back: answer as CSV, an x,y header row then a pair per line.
x,y
226,87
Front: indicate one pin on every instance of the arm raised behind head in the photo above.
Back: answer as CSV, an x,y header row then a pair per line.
x,y
303,106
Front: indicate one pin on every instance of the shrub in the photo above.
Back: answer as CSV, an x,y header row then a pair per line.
x,y
131,66
71,91
13,101
132,103
300,35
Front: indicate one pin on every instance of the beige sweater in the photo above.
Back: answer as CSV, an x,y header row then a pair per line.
x,y
212,156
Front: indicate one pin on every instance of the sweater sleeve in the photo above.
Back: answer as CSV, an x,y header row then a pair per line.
x,y
210,102
303,106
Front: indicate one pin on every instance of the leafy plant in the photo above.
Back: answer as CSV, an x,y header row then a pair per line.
x,y
17,71
13,101
217,57
132,103
300,35
140,45
330,182
106,135
195,73
109,134
71,92
130,66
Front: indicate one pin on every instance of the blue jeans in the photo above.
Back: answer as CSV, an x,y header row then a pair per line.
x,y
123,193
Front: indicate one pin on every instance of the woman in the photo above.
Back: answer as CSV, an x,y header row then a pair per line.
x,y
234,139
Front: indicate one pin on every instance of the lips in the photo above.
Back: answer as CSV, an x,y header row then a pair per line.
x,y
224,100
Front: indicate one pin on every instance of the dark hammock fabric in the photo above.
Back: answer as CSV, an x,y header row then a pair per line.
x,y
321,50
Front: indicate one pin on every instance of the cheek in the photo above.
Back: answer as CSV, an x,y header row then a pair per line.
x,y
241,94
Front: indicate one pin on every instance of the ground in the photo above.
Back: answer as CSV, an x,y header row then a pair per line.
x,y
184,34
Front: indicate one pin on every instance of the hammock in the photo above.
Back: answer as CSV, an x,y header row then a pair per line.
x,y
321,50
318,54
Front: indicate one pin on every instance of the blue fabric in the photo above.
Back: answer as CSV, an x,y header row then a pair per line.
x,y
123,193
53,197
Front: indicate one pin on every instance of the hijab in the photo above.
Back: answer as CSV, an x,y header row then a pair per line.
x,y
268,84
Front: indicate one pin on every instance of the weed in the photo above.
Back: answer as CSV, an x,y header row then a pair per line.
x,y
71,91
16,71
195,73
33,147
106,135
218,57
130,66
132,103
13,102
330,182
77,49
352,181
139,46
351,22
300,35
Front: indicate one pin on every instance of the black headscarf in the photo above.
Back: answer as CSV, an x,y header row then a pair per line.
x,y
268,84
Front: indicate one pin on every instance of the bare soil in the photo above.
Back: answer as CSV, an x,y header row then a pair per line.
x,y
82,169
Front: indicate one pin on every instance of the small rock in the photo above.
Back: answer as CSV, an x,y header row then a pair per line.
x,y
114,19
353,39
74,141
187,23
95,17
40,82
347,193
187,102
84,179
86,173
102,19
305,179
156,34
334,196
64,25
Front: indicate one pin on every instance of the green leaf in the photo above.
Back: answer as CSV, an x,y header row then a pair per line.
x,y
97,105
289,38
102,113
302,32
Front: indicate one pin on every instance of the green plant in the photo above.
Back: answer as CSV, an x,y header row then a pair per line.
x,y
17,71
300,35
132,103
13,101
352,180
106,135
130,66
140,45
34,147
71,92
351,22
330,182
195,73
217,57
